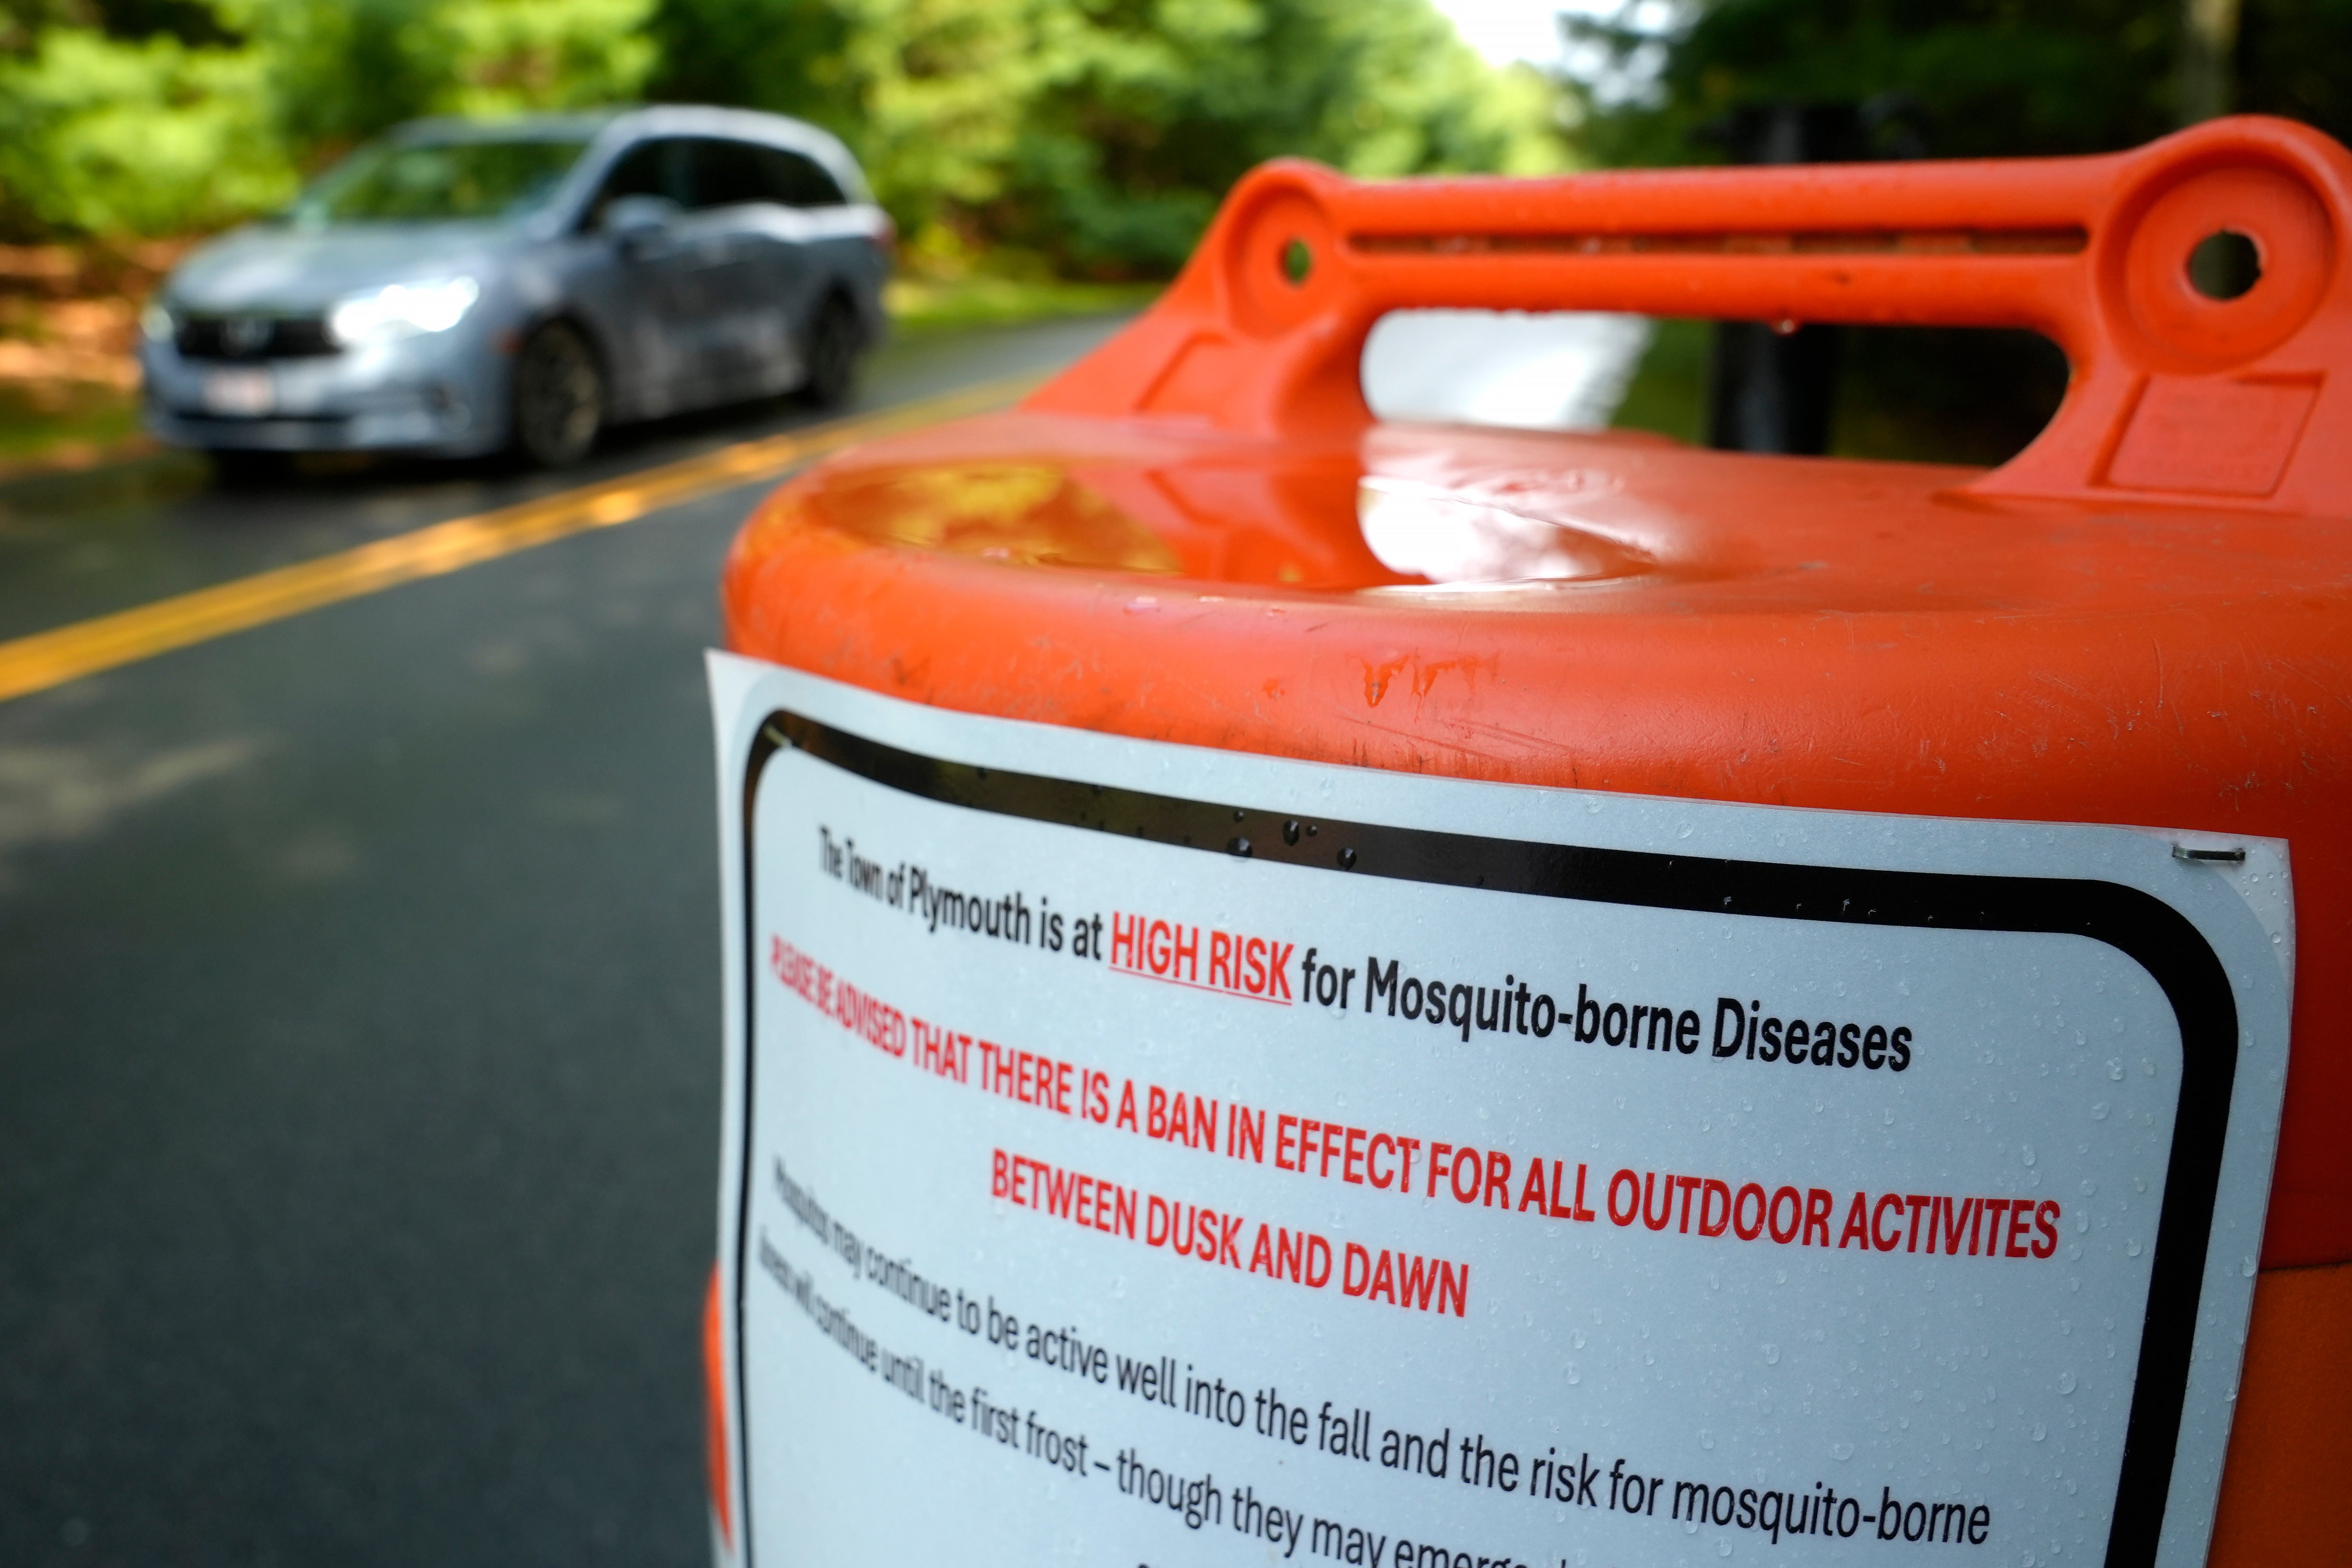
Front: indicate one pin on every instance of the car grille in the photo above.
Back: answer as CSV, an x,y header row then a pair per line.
x,y
255,337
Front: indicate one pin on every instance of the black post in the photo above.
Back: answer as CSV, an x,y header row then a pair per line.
x,y
1771,383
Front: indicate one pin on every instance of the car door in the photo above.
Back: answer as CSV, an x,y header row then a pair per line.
x,y
657,297
754,265
814,241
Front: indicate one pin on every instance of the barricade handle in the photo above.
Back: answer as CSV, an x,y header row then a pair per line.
x,y
2173,396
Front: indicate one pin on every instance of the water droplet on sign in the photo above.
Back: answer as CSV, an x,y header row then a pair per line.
x,y
2066,1382
1771,1355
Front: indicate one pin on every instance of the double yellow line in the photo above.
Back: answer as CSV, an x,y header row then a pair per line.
x,y
50,658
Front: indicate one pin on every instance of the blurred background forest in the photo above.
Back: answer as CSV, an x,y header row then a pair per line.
x,y
1035,147
1097,137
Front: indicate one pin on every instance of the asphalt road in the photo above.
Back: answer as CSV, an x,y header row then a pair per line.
x,y
358,1024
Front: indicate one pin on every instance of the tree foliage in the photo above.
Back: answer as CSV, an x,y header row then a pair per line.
x,y
160,116
1101,132
107,136
1138,129
342,71
1964,78
1096,135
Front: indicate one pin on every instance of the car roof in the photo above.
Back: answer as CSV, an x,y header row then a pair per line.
x,y
614,129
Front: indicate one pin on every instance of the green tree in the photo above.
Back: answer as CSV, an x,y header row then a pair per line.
x,y
2291,60
1099,135
1096,136
1138,129
171,115
342,71
1975,78
782,55
108,136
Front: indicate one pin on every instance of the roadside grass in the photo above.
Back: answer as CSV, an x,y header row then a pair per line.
x,y
65,424
920,305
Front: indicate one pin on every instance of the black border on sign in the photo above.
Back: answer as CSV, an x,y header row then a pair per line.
x,y
2143,927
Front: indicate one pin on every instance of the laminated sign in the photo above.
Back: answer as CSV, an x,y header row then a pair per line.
x,y
1140,1154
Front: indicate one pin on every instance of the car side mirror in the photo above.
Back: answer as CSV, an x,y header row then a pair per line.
x,y
632,222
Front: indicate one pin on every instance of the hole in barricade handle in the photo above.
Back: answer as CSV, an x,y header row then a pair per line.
x,y
2225,264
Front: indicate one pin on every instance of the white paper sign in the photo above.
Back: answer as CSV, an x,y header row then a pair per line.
x,y
1147,1154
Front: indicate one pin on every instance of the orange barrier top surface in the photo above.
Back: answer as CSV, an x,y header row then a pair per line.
x,y
1200,534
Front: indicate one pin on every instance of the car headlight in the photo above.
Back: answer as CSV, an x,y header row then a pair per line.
x,y
402,310
156,321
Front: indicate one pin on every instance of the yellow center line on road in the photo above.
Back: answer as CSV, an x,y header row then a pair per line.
x,y
45,659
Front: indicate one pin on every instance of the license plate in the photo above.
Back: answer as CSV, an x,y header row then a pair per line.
x,y
247,394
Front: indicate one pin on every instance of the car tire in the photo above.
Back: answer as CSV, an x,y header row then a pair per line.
x,y
559,396
835,340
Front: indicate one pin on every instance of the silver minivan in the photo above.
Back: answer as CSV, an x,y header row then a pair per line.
x,y
459,287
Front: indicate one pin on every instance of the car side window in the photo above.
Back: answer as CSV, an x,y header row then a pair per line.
x,y
736,174
727,173
654,168
798,181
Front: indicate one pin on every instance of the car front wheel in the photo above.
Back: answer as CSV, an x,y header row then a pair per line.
x,y
559,396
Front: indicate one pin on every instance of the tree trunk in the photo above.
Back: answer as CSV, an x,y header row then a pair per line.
x,y
2209,50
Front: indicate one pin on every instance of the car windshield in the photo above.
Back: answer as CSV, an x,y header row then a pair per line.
x,y
473,178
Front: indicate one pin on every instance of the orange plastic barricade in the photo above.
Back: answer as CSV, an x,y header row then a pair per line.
x,y
1414,995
